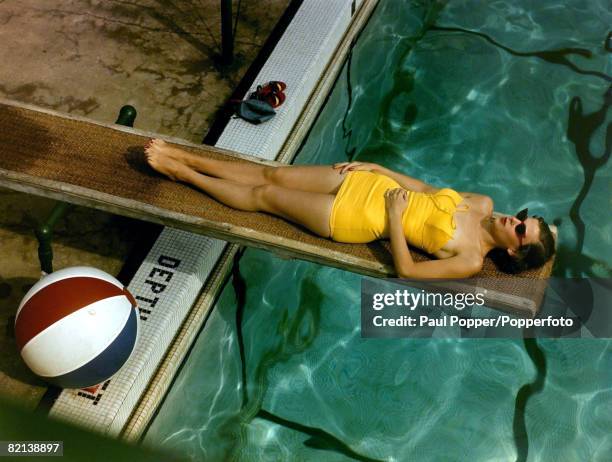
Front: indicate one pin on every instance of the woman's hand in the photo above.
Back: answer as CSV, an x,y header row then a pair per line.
x,y
396,201
354,166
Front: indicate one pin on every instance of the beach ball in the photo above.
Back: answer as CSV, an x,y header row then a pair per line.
x,y
76,327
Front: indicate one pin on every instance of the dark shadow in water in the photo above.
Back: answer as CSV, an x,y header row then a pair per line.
x,y
319,439
347,132
580,130
521,439
239,285
403,84
552,56
297,332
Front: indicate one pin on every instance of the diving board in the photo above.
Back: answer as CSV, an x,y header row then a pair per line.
x,y
102,166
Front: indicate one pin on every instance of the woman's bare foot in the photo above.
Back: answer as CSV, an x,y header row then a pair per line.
x,y
162,162
160,147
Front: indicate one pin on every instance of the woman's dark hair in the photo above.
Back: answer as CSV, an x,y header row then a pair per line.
x,y
528,256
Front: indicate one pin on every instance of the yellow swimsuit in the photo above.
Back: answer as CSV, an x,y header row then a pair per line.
x,y
358,213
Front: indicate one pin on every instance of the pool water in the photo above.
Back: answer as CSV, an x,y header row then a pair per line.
x,y
506,98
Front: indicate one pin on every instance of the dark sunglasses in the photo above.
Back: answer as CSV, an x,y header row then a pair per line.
x,y
521,228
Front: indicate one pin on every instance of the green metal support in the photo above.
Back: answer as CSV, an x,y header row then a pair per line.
x,y
127,115
44,232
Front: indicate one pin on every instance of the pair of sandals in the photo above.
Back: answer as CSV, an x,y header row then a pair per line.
x,y
272,93
259,106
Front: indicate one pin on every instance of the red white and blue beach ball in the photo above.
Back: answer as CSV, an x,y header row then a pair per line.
x,y
76,327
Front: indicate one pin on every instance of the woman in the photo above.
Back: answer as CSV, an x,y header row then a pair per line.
x,y
360,202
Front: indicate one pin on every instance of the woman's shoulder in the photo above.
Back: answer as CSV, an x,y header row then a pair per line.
x,y
479,203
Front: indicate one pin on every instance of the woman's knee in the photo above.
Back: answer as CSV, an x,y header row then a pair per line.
x,y
263,196
274,175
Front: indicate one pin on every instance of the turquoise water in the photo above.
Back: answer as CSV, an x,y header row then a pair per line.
x,y
494,97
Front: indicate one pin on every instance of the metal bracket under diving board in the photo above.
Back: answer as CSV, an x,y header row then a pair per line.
x,y
102,166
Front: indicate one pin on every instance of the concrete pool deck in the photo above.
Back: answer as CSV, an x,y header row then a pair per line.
x,y
89,58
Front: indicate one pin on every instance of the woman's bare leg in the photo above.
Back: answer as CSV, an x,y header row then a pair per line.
x,y
311,210
312,178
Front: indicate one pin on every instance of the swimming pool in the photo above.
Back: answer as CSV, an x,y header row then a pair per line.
x,y
500,97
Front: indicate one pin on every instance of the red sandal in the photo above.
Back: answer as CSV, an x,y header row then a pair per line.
x,y
271,92
274,99
274,86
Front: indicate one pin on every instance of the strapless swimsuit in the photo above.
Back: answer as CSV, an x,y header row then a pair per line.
x,y
358,214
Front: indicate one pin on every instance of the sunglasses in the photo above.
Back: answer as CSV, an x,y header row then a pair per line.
x,y
521,228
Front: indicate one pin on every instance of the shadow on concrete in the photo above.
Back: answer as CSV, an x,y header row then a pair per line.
x,y
11,292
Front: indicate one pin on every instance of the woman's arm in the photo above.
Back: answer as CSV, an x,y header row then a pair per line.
x,y
405,181
412,184
481,202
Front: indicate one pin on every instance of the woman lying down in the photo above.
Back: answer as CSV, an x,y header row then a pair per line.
x,y
358,202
